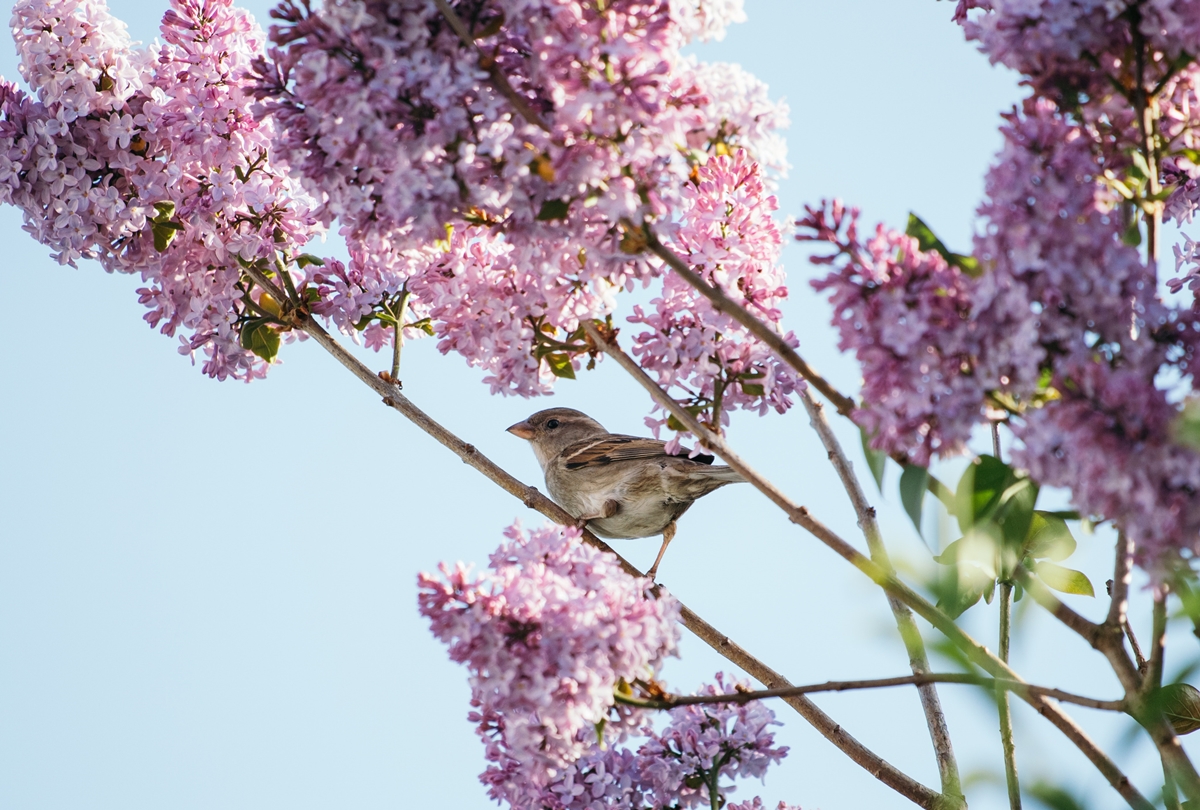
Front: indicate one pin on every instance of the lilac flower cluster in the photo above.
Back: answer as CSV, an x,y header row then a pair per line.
x,y
728,236
549,635
148,160
677,767
1059,323
506,232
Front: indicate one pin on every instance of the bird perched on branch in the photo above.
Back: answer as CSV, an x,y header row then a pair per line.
x,y
618,486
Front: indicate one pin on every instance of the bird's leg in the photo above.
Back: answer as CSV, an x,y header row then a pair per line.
x,y
610,509
668,533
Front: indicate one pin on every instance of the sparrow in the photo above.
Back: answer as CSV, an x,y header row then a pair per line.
x,y
618,486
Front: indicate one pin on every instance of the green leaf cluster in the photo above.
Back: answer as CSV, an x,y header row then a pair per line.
x,y
994,506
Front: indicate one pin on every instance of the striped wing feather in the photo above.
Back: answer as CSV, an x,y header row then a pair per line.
x,y
614,448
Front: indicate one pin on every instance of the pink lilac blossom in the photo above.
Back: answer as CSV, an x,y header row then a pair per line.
x,y
1063,308
547,634
671,770
1061,44
905,314
401,134
126,147
727,235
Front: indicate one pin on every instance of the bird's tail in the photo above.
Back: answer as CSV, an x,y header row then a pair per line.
x,y
724,474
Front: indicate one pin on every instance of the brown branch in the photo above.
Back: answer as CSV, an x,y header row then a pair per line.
x,y
801,516
531,497
497,77
723,303
1158,640
935,717
673,701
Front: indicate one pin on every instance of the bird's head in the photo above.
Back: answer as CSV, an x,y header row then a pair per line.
x,y
552,430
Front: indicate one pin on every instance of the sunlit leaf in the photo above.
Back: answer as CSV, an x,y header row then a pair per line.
x,y
257,336
1064,580
560,365
1049,538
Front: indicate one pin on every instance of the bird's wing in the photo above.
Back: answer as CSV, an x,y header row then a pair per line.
x,y
613,448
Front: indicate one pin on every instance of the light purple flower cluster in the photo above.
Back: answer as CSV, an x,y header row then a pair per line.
x,y
505,234
1061,44
904,313
1061,324
727,235
700,749
547,635
148,160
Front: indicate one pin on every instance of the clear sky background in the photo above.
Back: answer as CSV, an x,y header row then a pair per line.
x,y
207,590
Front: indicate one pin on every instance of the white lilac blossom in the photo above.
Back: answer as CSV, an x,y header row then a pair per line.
x,y
548,633
148,160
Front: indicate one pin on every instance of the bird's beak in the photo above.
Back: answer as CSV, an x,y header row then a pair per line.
x,y
522,429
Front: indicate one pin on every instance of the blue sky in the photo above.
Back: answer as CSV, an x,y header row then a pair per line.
x,y
207,590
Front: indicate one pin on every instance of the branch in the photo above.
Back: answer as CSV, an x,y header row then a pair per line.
x,y
531,497
1006,729
723,303
498,79
801,516
673,701
918,661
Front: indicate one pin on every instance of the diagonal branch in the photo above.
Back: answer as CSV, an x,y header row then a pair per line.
x,y
799,515
531,497
935,718
723,303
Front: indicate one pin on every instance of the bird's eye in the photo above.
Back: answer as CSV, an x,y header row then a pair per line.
x,y
552,424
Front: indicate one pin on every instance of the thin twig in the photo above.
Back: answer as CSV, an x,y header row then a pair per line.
x,y
498,79
531,497
1138,658
1002,684
935,717
801,516
1006,730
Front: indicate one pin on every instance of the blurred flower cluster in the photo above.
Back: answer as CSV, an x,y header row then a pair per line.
x,y
1058,321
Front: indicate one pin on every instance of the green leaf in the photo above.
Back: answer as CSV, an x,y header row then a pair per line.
x,y
1133,233
164,234
913,483
1181,704
1049,538
1064,580
305,259
553,209
560,365
960,587
876,459
1055,797
980,488
165,209
753,389
927,240
257,336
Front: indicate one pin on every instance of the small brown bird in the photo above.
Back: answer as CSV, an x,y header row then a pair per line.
x,y
619,486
